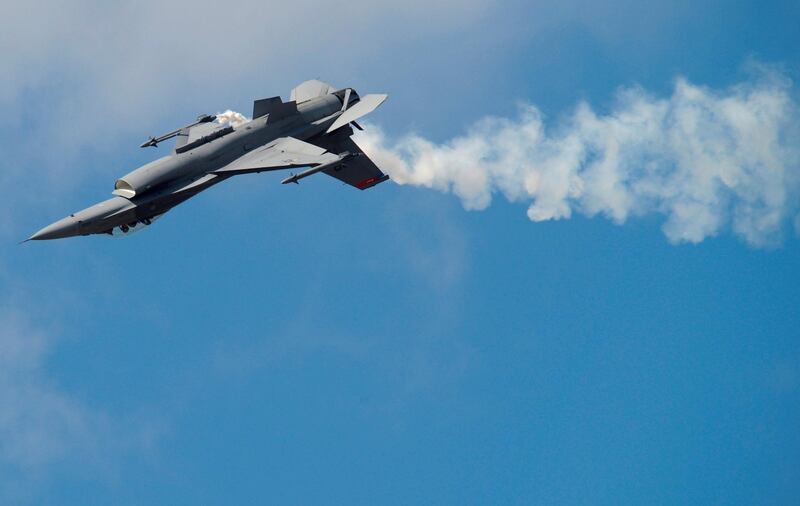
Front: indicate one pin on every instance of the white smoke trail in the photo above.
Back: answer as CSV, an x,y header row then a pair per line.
x,y
705,159
232,117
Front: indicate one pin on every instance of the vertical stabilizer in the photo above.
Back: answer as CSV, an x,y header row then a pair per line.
x,y
310,89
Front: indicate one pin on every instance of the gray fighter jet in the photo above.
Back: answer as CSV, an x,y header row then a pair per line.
x,y
312,130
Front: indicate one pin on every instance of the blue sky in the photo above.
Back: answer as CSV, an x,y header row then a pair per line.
x,y
265,343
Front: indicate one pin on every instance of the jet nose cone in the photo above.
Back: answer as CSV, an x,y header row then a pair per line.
x,y
62,228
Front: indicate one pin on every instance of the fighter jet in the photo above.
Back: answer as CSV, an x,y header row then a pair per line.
x,y
312,130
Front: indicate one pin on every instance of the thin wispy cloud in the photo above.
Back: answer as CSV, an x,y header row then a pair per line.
x,y
43,426
38,423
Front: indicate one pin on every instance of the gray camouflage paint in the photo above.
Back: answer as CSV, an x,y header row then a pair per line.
x,y
281,135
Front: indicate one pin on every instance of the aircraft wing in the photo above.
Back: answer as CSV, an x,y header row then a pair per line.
x,y
283,153
336,155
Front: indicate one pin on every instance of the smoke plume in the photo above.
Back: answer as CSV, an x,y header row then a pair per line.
x,y
706,160
231,117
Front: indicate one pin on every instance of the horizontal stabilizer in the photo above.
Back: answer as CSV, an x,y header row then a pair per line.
x,y
364,106
356,168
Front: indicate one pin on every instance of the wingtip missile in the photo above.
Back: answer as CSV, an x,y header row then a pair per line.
x,y
153,141
293,178
150,142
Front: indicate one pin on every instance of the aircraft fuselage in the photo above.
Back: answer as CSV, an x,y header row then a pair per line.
x,y
158,186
